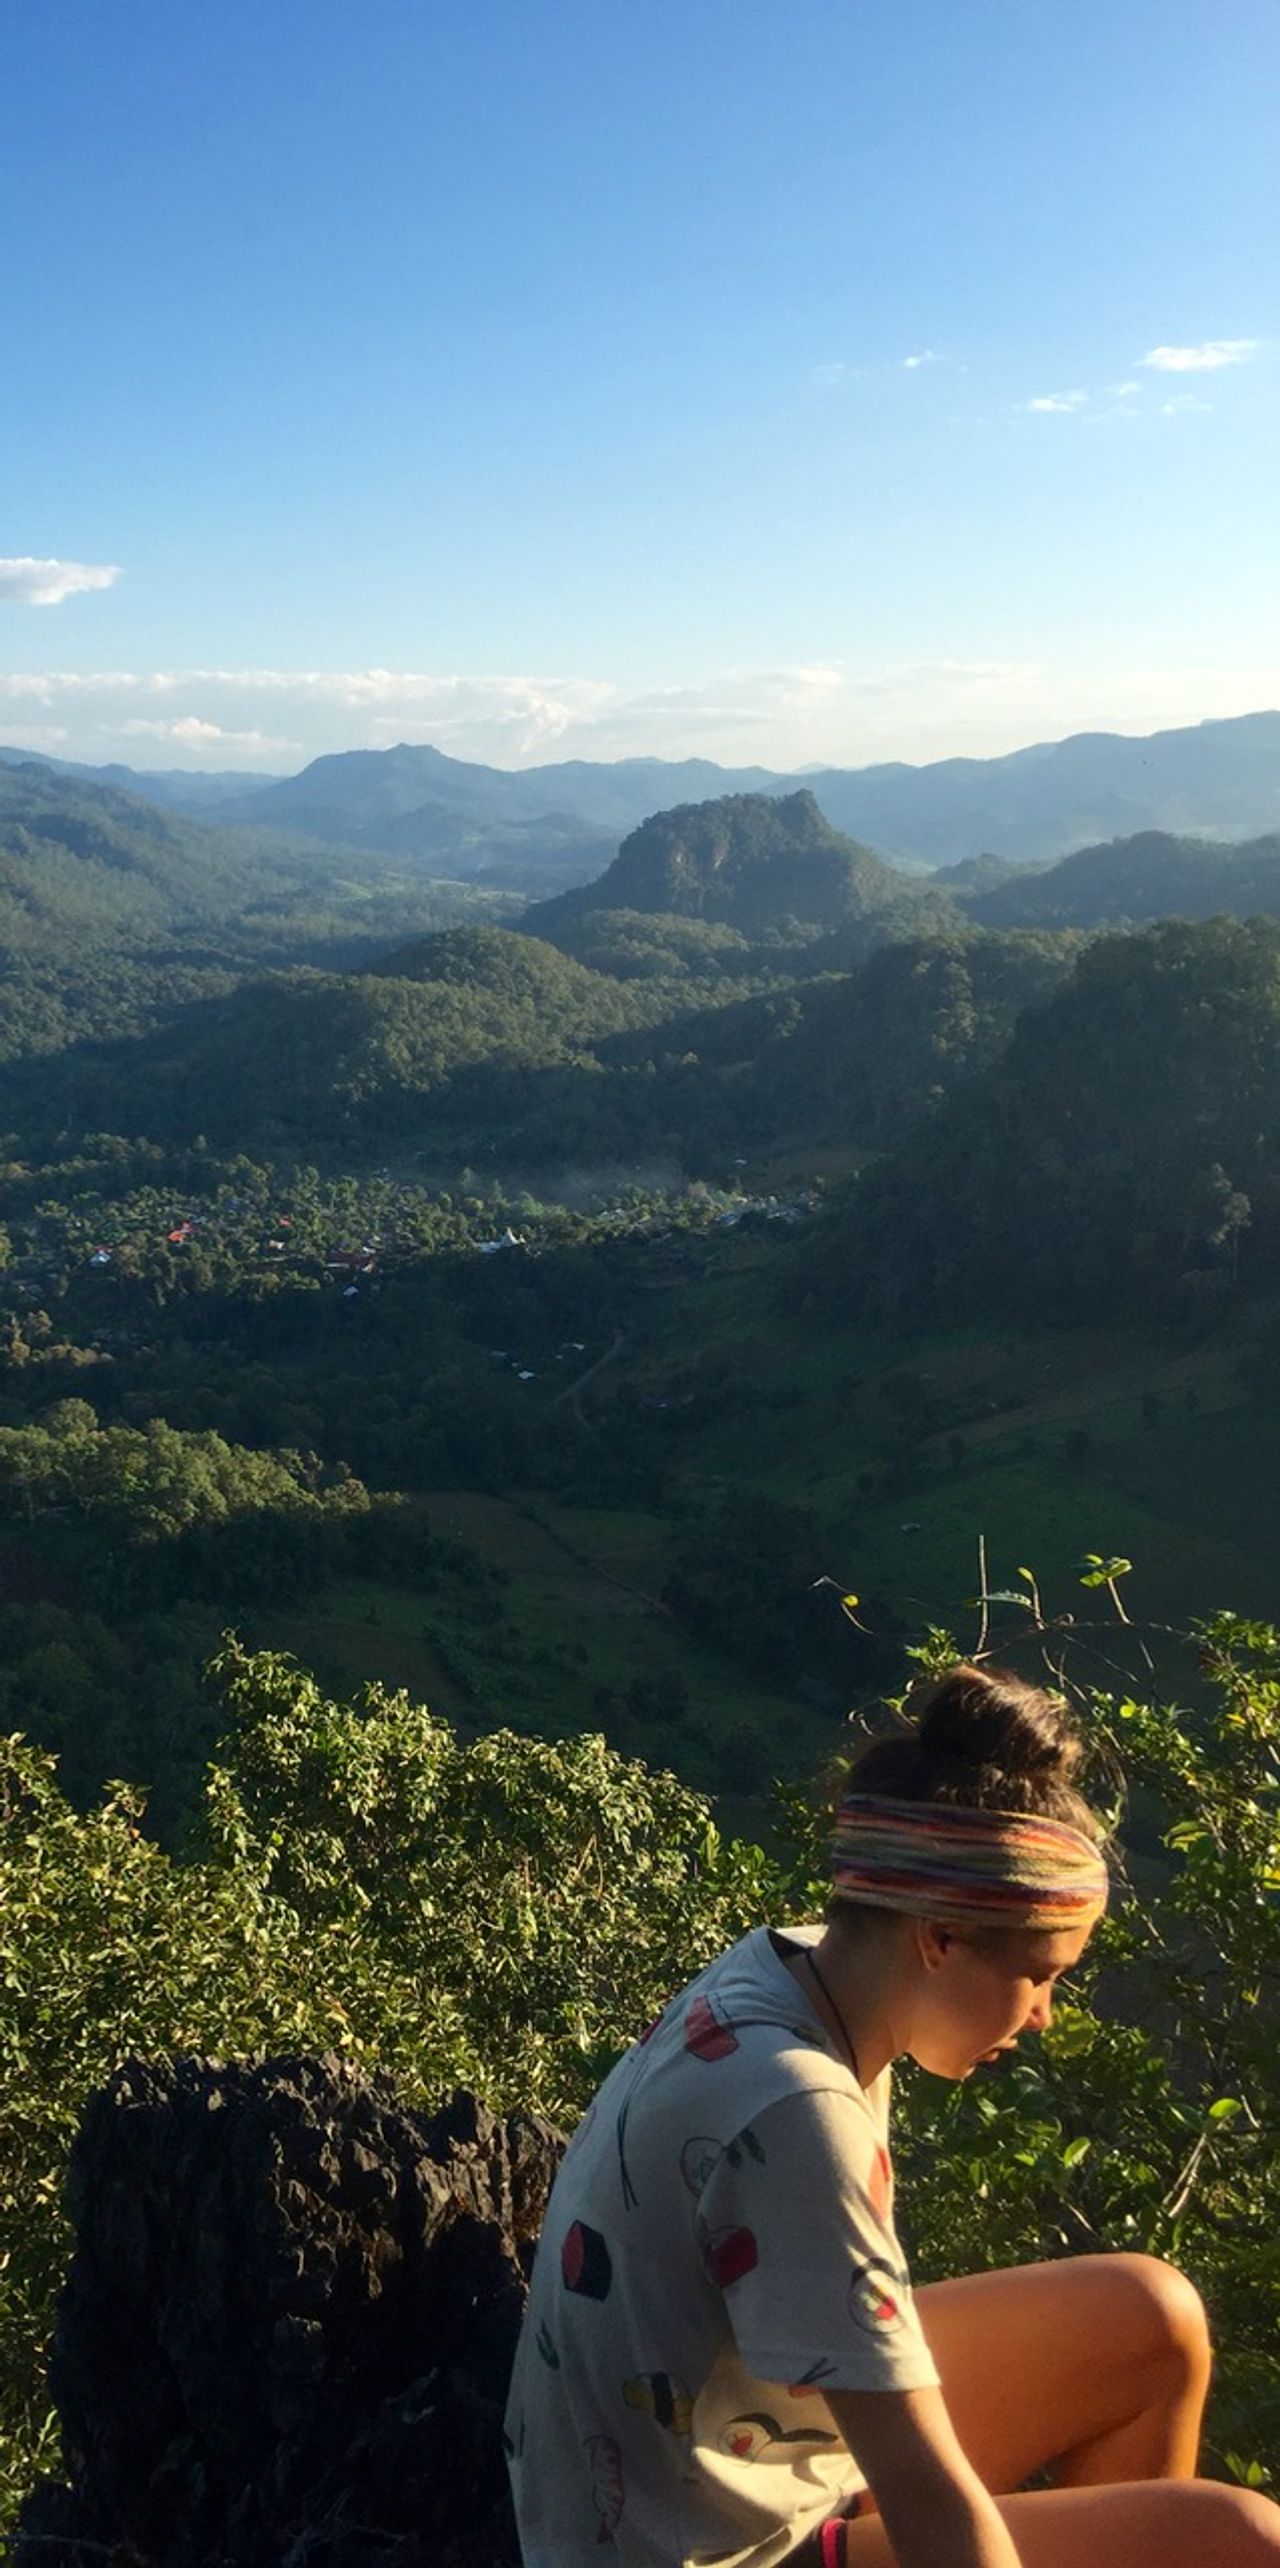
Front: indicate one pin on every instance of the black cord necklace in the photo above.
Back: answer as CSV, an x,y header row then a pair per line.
x,y
844,2029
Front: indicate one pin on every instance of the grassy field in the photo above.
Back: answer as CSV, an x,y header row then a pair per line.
x,y
568,1628
1050,1443
901,1455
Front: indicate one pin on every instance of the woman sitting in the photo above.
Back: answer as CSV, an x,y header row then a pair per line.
x,y
723,2360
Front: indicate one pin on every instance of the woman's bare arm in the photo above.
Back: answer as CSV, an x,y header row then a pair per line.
x,y
936,2511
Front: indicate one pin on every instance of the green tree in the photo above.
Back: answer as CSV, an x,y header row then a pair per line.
x,y
500,1913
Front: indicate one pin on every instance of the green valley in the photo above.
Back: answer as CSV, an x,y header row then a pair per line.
x,y
613,1290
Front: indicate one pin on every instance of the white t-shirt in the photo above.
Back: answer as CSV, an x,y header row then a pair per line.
x,y
719,2248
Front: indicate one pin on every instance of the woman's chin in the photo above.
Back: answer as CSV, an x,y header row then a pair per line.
x,y
945,2065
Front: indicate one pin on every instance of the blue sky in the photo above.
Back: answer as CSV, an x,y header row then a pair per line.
x,y
777,380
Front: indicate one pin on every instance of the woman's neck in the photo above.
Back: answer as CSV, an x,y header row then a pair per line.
x,y
856,1992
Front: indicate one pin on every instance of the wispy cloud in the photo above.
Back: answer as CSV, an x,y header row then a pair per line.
x,y
190,731
1067,401
236,716
50,736
1207,358
1182,401
1123,391
745,699
781,715
27,581
947,679
841,370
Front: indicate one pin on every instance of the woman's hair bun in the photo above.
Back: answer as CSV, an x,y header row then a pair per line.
x,y
993,1720
985,1739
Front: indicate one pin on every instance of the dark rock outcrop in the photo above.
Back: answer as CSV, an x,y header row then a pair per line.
x,y
285,2337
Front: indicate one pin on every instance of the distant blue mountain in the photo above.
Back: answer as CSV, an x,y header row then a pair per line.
x,y
1214,779
174,788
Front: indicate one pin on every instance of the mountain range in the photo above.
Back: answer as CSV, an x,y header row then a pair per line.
x,y
540,828
87,868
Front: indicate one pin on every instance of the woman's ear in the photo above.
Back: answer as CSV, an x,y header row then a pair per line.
x,y
933,1941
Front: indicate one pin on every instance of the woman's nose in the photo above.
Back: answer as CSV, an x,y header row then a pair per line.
x,y
1040,2012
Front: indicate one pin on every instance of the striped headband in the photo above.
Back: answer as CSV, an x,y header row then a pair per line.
x,y
989,1867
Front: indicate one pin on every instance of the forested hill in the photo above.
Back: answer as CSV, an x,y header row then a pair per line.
x,y
114,913
1134,879
85,865
1122,1154
111,909
746,861
78,858
449,1049
523,971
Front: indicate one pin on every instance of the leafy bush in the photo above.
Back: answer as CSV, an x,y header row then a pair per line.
x,y
497,1913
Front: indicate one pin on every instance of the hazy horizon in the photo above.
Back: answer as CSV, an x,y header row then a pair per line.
x,y
194,765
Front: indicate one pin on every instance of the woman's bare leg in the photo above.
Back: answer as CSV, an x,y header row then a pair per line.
x,y
1154,2523
1095,2368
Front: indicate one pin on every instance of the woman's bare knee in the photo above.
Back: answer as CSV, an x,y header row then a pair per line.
x,y
1250,2529
1145,2524
1167,2315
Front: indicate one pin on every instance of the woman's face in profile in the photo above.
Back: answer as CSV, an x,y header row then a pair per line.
x,y
985,1988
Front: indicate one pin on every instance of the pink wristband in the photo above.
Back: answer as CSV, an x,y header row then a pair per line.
x,y
831,2545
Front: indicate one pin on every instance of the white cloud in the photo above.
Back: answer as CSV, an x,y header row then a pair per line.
x,y
52,736
26,581
926,357
809,682
835,371
1059,401
735,701
1207,358
219,715
1123,391
1182,401
786,715
190,732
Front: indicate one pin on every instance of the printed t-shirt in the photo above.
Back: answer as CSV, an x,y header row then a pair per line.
x,y
719,2249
